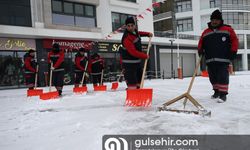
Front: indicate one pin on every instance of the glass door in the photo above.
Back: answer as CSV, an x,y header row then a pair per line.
x,y
19,63
11,69
8,73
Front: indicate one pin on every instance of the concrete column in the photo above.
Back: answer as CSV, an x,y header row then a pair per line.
x,y
196,16
104,19
37,13
244,55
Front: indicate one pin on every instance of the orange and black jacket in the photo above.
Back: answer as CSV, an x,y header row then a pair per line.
x,y
132,47
29,63
80,62
218,45
57,59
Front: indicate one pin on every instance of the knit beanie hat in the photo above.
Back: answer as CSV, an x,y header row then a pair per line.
x,y
130,20
216,15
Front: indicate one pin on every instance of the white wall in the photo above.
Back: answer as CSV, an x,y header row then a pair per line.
x,y
103,14
196,17
204,21
106,7
146,24
204,4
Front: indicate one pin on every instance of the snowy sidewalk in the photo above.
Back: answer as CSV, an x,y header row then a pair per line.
x,y
79,121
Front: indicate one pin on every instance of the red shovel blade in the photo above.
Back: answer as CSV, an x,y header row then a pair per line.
x,y
34,92
139,97
49,95
100,88
114,86
80,89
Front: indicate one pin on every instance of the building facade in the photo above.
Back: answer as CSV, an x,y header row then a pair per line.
x,y
191,17
37,24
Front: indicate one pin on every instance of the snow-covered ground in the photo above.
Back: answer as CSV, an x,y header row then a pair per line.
x,y
76,122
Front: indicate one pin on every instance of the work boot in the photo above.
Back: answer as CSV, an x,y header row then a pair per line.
x,y
60,92
223,98
215,95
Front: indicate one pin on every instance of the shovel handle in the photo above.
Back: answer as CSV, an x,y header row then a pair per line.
x,y
102,77
37,68
145,64
84,73
120,75
193,77
50,77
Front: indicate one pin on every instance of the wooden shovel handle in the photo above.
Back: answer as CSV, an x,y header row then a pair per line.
x,y
145,64
50,78
37,68
84,73
195,72
102,77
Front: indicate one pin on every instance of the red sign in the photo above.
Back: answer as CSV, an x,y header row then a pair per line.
x,y
68,44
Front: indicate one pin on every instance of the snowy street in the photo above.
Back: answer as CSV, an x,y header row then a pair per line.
x,y
76,122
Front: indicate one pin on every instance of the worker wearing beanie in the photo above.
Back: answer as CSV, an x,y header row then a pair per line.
x,y
96,67
80,63
30,68
56,56
132,54
219,45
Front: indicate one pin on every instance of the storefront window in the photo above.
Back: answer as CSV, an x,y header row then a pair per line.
x,y
11,61
11,69
69,68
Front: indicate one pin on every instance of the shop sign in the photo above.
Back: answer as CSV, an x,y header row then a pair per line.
x,y
17,44
109,47
113,47
68,44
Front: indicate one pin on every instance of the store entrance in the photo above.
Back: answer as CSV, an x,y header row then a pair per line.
x,y
11,69
112,66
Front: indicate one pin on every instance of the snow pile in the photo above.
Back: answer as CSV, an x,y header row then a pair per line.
x,y
79,121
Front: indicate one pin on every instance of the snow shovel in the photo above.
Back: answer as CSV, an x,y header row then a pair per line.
x,y
116,84
101,87
53,94
140,97
200,109
82,89
35,91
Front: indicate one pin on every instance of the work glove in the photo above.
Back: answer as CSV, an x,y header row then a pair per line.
x,y
201,53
